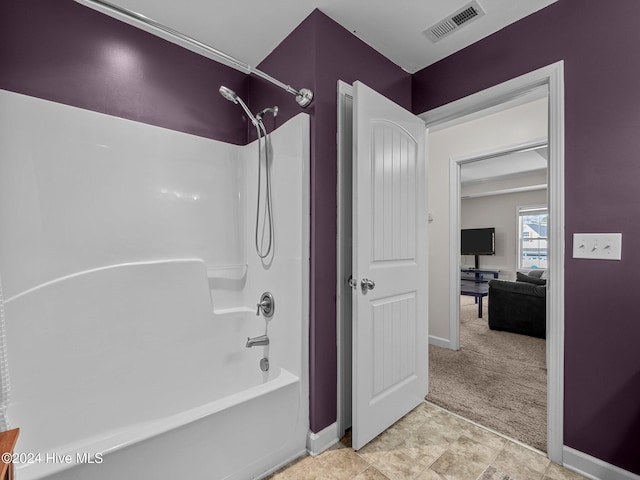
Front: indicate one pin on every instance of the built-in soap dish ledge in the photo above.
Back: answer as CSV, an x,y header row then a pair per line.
x,y
232,311
230,272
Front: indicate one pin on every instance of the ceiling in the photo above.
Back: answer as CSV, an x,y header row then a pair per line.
x,y
503,166
251,29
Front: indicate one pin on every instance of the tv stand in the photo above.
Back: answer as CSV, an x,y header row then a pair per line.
x,y
479,274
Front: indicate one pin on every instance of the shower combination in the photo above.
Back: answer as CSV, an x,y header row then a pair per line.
x,y
261,131
304,96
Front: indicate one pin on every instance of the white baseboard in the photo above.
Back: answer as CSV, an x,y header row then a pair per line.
x,y
439,342
323,440
592,467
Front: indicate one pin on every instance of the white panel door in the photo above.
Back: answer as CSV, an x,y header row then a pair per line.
x,y
390,334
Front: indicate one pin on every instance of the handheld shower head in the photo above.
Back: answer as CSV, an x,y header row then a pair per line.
x,y
261,132
234,98
228,94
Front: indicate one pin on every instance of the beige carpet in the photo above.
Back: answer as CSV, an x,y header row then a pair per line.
x,y
497,379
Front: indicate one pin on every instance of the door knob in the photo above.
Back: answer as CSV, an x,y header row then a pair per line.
x,y
367,284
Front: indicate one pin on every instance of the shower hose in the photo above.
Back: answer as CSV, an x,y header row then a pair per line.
x,y
268,218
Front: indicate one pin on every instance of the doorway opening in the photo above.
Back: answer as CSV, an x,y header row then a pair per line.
x,y
495,375
550,78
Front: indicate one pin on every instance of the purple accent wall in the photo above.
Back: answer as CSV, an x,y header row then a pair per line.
x,y
316,55
602,194
67,53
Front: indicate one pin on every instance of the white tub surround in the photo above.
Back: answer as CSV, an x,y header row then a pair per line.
x,y
130,291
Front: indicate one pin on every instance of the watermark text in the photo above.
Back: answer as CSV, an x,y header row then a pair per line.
x,y
52,458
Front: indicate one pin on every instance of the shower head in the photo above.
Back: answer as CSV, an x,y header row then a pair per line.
x,y
234,98
261,114
228,94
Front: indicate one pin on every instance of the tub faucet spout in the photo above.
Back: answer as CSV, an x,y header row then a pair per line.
x,y
257,341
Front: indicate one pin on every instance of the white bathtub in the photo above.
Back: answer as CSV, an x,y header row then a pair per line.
x,y
242,436
153,385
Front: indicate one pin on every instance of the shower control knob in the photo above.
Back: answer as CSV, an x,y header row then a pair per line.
x,y
267,305
367,284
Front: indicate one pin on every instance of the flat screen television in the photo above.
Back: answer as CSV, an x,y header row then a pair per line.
x,y
478,241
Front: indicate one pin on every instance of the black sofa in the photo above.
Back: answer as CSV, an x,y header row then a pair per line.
x,y
520,306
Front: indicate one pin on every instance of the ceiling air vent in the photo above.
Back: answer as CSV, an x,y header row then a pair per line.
x,y
454,21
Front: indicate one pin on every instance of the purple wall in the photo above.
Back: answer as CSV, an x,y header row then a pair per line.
x,y
64,52
602,194
321,51
67,53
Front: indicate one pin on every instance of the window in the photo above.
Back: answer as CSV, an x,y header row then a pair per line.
x,y
532,237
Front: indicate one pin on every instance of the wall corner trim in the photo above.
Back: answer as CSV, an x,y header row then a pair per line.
x,y
594,468
323,440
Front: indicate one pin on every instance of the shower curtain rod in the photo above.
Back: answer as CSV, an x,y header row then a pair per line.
x,y
304,96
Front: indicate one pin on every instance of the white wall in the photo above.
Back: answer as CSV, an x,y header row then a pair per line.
x,y
498,211
82,190
503,130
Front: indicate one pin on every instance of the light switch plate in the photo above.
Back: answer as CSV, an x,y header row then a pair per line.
x,y
603,246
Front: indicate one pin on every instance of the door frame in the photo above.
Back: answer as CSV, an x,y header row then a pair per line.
x,y
343,253
551,77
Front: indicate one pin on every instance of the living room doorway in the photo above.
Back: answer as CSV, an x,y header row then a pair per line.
x,y
494,188
445,281
498,375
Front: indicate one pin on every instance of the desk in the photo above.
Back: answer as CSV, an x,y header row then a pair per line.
x,y
475,289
